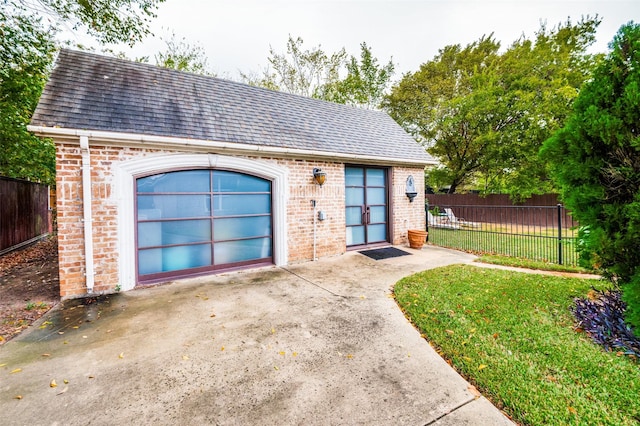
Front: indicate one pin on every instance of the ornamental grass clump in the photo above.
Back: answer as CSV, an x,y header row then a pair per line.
x,y
601,316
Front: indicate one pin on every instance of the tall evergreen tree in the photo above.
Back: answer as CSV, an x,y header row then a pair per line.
x,y
595,161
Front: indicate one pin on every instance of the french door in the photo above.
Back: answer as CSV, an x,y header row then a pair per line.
x,y
366,201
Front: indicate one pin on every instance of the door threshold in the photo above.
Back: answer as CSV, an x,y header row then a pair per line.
x,y
369,246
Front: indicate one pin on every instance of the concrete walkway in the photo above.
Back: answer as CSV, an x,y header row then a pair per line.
x,y
319,343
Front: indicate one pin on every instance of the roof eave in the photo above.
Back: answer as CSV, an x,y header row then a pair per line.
x,y
147,141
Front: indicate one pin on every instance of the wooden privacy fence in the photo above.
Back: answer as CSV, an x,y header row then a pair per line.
x,y
24,213
498,208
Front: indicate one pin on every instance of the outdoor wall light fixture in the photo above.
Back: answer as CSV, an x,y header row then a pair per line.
x,y
319,176
411,189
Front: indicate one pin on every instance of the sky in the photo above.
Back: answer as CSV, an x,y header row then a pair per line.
x,y
236,34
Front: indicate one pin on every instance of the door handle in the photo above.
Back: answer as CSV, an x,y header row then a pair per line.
x,y
368,215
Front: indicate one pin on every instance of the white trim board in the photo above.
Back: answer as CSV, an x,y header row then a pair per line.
x,y
229,148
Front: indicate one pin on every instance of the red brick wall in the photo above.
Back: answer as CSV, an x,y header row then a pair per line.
x,y
330,233
406,214
70,227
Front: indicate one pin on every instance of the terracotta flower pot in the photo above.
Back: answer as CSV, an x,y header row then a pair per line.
x,y
417,238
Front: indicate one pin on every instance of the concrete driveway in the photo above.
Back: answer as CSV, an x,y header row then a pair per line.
x,y
319,343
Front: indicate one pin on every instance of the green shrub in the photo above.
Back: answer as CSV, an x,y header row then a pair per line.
x,y
595,162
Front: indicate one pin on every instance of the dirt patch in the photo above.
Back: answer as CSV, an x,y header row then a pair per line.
x,y
29,286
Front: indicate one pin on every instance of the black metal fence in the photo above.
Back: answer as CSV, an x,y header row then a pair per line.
x,y
24,213
542,233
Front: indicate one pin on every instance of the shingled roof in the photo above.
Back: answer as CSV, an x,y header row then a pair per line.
x,y
99,93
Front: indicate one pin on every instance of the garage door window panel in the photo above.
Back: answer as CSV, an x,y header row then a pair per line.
x,y
242,227
180,181
241,204
152,234
230,252
170,259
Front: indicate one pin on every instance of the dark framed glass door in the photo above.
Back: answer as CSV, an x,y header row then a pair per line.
x,y
366,202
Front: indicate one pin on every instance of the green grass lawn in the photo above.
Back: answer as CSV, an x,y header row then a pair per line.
x,y
512,335
520,262
540,244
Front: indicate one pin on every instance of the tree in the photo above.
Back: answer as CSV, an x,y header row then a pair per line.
x,y
541,77
301,72
314,73
26,52
365,84
183,56
595,162
434,105
485,114
108,21
27,49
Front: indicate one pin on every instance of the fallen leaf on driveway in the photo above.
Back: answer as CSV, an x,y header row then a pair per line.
x,y
17,397
62,391
53,383
474,391
121,355
17,370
